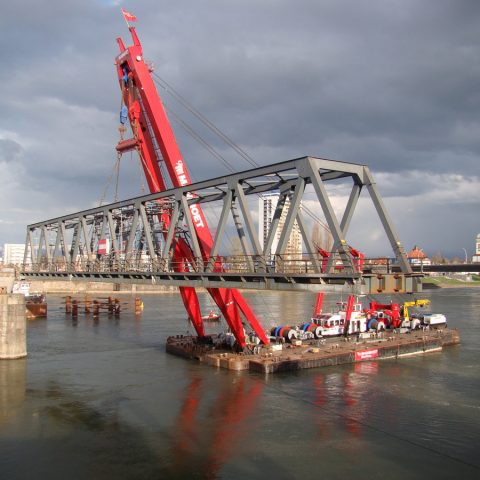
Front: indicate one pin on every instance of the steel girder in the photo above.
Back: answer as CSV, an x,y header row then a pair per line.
x,y
139,242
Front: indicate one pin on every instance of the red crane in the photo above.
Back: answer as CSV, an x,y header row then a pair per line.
x,y
358,259
154,140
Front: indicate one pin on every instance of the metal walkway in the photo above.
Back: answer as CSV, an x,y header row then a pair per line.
x,y
132,241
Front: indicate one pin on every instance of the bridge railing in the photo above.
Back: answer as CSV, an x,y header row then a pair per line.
x,y
236,264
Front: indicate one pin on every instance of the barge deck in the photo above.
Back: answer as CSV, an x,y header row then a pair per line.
x,y
313,354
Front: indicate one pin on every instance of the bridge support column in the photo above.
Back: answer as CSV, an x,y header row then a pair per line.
x,y
391,283
13,326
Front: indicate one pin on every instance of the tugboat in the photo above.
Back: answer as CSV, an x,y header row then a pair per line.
x,y
333,324
35,303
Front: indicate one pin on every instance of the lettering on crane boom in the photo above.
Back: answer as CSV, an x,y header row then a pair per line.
x,y
181,175
183,180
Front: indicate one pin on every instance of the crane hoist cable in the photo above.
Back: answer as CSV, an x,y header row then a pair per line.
x,y
229,167
199,139
210,148
169,89
115,172
142,176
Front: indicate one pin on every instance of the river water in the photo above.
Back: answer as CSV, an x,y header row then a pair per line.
x,y
102,400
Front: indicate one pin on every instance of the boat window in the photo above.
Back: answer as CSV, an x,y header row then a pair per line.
x,y
336,322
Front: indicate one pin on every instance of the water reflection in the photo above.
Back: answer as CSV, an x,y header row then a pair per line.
x,y
104,401
13,375
345,398
95,438
209,441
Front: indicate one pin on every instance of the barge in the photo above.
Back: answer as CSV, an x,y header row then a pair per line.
x,y
352,334
300,355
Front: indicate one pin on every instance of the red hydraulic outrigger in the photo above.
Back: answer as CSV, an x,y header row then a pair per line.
x,y
154,140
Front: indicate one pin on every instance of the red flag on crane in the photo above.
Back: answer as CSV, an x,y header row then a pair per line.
x,y
129,17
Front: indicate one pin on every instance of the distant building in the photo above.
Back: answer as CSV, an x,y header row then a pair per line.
x,y
13,253
417,256
476,257
266,209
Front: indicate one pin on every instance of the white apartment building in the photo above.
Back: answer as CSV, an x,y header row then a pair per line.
x,y
266,209
13,253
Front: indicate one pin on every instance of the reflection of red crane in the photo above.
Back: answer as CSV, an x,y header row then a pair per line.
x,y
347,400
231,412
154,140
231,409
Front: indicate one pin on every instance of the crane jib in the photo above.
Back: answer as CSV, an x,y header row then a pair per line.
x,y
153,133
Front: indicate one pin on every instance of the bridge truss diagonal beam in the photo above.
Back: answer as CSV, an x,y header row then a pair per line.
x,y
142,233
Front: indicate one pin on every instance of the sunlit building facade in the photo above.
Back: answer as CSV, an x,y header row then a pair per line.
x,y
13,253
266,209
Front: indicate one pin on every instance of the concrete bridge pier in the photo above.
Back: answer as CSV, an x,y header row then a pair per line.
x,y
13,326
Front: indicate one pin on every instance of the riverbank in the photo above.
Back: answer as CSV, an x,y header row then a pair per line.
x,y
448,282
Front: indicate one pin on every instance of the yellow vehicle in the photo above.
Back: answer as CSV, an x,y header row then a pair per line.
x,y
416,303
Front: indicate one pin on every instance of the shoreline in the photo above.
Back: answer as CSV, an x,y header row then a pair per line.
x,y
434,285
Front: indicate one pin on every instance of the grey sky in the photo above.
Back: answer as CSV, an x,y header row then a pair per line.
x,y
390,83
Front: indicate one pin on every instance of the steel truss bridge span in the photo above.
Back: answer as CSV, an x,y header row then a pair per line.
x,y
130,241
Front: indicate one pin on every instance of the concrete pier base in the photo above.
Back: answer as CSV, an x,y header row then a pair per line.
x,y
13,327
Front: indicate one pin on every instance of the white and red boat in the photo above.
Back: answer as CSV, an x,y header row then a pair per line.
x,y
334,324
377,317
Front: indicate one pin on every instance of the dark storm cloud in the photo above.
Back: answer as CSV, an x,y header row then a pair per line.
x,y
337,78
390,83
